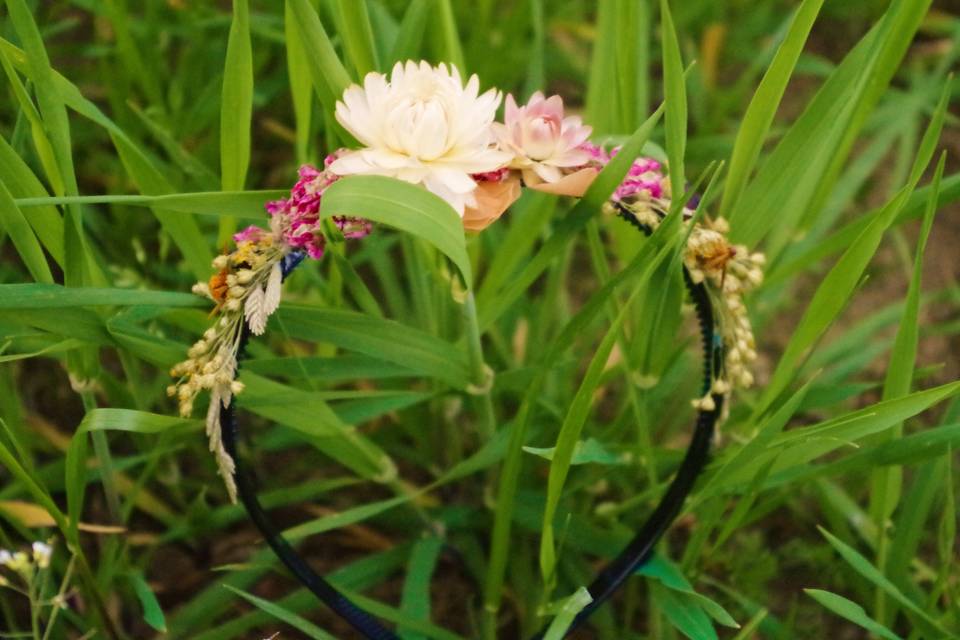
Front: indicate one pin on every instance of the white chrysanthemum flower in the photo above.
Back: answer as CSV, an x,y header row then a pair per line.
x,y
422,125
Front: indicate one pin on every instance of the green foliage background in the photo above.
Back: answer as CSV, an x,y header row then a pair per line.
x,y
135,137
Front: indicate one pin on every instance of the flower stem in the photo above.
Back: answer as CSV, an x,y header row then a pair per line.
x,y
481,387
101,449
480,374
61,594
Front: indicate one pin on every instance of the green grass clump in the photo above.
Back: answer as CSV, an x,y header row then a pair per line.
x,y
135,138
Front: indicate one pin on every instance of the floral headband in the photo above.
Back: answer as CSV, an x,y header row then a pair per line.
x,y
424,126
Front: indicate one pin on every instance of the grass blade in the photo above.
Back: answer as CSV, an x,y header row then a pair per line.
x,y
833,292
675,99
357,35
236,110
16,226
763,105
300,624
409,42
404,206
852,612
862,566
329,75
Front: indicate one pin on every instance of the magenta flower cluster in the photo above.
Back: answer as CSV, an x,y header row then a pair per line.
x,y
297,218
644,178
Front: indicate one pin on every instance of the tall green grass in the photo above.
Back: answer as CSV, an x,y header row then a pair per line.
x,y
137,136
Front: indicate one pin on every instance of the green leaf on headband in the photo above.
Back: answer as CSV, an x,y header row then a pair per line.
x,y
405,207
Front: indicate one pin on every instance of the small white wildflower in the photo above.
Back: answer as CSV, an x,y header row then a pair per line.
x,y
41,554
20,562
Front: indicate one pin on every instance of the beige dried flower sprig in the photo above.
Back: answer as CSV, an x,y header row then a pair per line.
x,y
728,272
247,288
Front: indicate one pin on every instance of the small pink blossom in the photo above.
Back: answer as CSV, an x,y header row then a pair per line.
x,y
644,177
596,153
252,233
541,139
353,227
499,175
297,218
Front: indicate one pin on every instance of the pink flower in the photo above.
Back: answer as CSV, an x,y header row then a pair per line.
x,y
353,227
297,218
498,175
252,233
596,153
644,179
541,139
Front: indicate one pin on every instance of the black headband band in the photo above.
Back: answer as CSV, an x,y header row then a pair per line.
x,y
608,580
